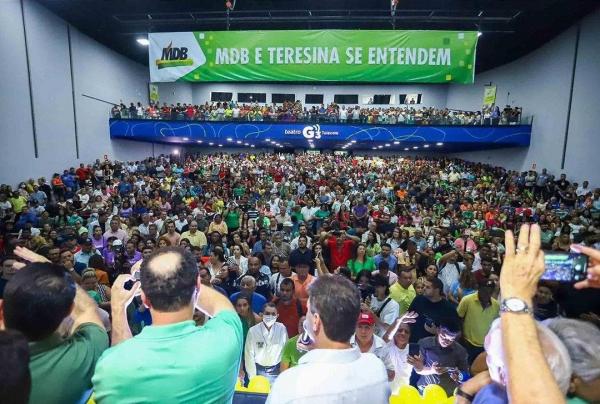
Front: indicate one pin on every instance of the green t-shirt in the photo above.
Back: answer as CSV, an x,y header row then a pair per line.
x,y
239,191
62,369
356,266
232,219
290,354
176,363
321,214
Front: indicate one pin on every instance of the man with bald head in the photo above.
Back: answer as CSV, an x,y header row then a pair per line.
x,y
172,359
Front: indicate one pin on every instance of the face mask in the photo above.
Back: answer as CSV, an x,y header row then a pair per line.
x,y
269,319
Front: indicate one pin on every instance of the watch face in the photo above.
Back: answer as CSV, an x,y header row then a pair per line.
x,y
515,304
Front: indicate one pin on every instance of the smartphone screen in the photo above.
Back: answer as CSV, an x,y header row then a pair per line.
x,y
564,266
413,349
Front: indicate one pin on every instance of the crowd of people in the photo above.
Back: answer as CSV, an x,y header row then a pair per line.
x,y
204,271
334,113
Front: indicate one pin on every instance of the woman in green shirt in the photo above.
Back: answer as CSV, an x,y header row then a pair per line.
x,y
247,316
361,261
372,246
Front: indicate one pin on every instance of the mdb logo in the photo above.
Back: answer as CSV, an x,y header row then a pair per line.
x,y
174,57
313,131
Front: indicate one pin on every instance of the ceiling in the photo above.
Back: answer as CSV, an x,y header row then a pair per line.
x,y
510,28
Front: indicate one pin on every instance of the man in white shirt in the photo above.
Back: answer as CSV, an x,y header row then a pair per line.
x,y
384,309
332,372
144,227
308,212
366,340
398,354
264,345
302,231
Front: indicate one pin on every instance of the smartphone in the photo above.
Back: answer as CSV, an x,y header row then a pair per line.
x,y
413,350
564,266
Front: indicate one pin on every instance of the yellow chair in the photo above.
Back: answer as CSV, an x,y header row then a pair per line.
x,y
259,384
434,394
406,395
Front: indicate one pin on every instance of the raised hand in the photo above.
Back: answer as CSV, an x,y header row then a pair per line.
x,y
29,255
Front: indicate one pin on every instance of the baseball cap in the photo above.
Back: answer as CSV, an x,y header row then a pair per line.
x,y
117,242
366,318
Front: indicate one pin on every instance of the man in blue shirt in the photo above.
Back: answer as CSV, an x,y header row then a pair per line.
x,y
247,288
386,255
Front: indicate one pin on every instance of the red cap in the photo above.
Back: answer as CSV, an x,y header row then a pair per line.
x,y
366,318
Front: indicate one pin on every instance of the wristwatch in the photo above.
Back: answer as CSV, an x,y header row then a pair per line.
x,y
514,305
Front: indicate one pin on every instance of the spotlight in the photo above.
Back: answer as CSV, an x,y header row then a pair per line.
x,y
396,142
246,144
406,149
387,145
229,139
439,144
426,146
143,41
353,141
198,141
479,33
415,147
211,144
238,141
176,152
251,145
220,145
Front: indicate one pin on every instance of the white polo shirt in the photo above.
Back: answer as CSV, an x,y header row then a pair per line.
x,y
333,376
378,348
264,346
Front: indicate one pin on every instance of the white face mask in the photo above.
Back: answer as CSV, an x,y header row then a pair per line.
x,y
269,319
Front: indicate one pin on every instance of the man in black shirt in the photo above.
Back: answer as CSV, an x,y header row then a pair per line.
x,y
263,281
432,309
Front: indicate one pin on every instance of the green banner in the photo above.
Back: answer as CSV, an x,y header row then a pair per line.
x,y
329,55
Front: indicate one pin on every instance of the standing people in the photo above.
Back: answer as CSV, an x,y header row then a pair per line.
x,y
332,365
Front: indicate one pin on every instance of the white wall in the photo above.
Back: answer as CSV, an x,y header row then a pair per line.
x,y
97,71
540,83
433,95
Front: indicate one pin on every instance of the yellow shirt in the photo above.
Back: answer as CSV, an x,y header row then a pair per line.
x,y
403,297
477,320
197,240
221,228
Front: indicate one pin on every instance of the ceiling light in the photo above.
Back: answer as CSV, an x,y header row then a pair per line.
x,y
246,144
396,142
238,141
374,148
229,139
186,138
387,145
143,41
198,141
267,140
426,146
380,147
406,149
439,144
211,144
220,145
353,141
251,145
175,151
415,147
